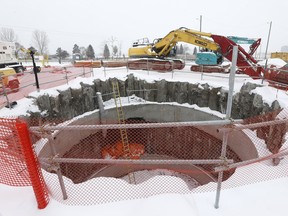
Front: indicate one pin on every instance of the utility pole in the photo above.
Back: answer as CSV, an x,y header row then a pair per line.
x,y
200,29
200,23
268,39
267,51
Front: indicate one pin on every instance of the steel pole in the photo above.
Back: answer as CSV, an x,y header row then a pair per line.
x,y
131,126
268,39
266,61
35,70
57,167
228,116
231,82
200,23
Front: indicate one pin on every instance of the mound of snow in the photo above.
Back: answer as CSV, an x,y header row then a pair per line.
x,y
273,61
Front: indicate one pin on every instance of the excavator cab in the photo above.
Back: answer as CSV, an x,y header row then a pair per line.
x,y
208,58
141,42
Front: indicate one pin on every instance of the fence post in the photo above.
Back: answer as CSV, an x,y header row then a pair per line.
x,y
92,71
148,66
231,82
104,68
83,71
101,105
66,76
172,69
102,113
5,92
228,116
33,167
56,168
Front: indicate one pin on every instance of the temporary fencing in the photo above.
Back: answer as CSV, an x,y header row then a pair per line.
x,y
48,77
18,163
85,164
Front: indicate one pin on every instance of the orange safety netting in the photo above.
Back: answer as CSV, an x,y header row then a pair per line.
x,y
18,161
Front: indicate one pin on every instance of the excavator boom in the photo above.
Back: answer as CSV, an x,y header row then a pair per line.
x,y
164,45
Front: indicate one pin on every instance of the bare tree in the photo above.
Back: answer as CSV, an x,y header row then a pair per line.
x,y
83,52
120,49
8,34
40,41
112,41
18,47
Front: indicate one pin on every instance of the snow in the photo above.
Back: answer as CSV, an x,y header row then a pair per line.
x,y
269,95
23,107
273,62
262,198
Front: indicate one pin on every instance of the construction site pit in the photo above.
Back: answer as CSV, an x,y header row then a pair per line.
x,y
196,143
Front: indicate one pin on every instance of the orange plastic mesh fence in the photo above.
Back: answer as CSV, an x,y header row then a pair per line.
x,y
96,168
13,167
19,165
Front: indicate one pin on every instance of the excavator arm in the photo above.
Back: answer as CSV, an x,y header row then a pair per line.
x,y
164,45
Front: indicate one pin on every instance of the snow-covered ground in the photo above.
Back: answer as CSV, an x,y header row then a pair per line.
x,y
264,198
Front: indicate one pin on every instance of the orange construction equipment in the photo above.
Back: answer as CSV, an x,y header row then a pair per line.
x,y
116,151
8,80
92,64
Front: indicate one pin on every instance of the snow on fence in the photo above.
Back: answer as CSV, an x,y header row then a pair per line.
x,y
90,164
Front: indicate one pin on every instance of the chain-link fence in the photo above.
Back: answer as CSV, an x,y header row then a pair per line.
x,y
84,164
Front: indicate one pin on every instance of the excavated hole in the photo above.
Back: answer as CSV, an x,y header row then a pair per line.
x,y
159,143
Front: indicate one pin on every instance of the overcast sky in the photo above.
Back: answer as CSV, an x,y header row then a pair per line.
x,y
84,22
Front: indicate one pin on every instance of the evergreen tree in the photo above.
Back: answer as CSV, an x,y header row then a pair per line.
x,y
83,52
115,50
18,47
76,49
181,50
195,51
106,52
90,52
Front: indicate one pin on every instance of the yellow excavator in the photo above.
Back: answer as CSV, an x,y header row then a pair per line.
x,y
159,54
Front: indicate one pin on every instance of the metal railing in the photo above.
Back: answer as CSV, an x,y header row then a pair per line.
x,y
48,78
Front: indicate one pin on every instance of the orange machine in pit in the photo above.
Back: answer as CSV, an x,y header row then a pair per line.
x,y
116,151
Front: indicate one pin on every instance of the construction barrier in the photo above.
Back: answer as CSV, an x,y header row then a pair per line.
x,y
100,163
19,165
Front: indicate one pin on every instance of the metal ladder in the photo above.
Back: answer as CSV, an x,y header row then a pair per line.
x,y
123,131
